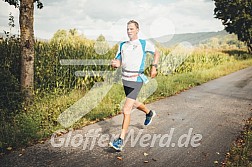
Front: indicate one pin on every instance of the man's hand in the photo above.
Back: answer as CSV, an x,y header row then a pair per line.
x,y
153,72
115,63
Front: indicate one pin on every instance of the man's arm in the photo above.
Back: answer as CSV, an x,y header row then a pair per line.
x,y
116,62
154,64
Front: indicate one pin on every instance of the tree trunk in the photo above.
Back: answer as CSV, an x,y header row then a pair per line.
x,y
27,48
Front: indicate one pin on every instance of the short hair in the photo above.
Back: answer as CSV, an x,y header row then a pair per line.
x,y
134,22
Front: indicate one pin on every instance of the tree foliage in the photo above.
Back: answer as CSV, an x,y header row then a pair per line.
x,y
16,3
69,36
236,16
101,38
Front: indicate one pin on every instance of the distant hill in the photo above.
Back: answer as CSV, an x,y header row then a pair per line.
x,y
219,38
193,38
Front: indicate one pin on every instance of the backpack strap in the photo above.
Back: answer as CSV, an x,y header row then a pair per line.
x,y
121,44
143,43
119,56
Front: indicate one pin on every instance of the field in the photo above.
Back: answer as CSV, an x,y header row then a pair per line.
x,y
57,87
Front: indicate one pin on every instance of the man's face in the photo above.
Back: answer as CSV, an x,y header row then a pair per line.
x,y
132,31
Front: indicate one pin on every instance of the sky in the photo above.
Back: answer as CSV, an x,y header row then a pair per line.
x,y
110,17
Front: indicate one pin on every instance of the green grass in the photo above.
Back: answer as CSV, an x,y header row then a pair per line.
x,y
39,121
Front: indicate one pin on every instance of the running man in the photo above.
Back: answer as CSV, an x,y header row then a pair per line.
x,y
131,56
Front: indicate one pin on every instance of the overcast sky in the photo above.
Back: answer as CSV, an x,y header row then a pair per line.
x,y
109,17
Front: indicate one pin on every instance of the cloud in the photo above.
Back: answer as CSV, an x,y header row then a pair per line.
x,y
156,17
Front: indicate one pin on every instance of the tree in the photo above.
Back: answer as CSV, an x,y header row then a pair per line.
x,y
101,45
101,38
65,36
26,19
73,32
236,16
60,35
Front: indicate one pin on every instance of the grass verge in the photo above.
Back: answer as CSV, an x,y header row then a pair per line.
x,y
240,154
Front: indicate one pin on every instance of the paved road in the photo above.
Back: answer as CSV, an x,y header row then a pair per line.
x,y
207,118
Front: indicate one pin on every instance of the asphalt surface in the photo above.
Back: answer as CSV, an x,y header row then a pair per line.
x,y
193,128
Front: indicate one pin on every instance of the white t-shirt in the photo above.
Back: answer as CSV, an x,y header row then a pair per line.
x,y
133,57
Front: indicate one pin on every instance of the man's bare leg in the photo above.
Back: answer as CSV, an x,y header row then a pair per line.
x,y
149,113
141,106
128,105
